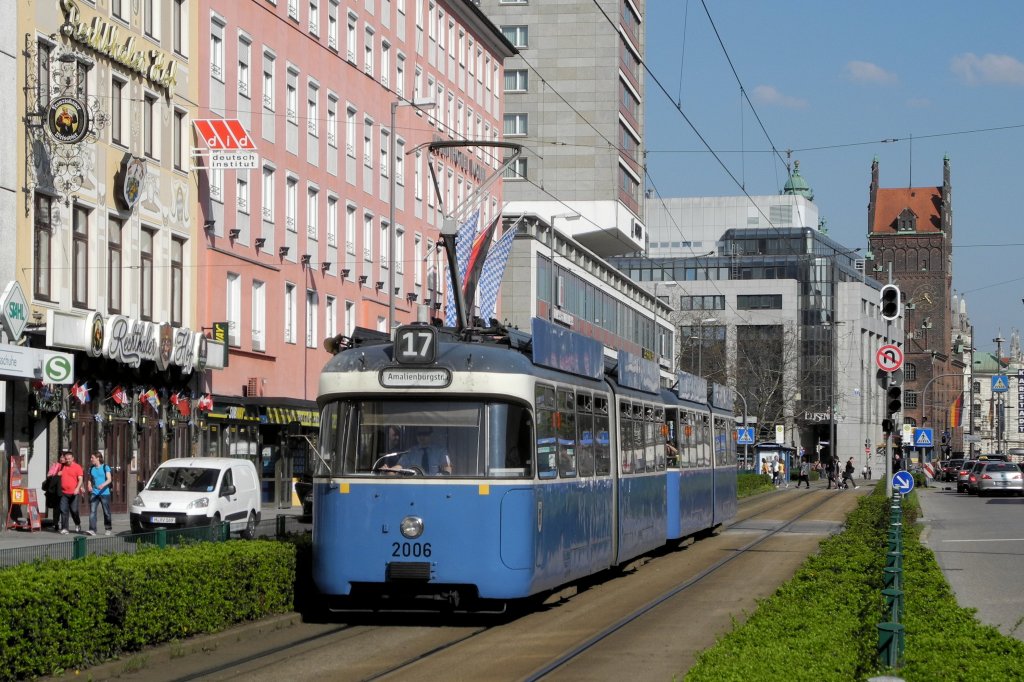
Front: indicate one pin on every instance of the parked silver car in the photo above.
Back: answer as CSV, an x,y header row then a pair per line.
x,y
999,477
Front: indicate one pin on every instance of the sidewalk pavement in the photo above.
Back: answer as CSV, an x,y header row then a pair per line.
x,y
12,539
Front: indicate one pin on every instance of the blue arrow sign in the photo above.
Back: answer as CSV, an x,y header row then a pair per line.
x,y
923,438
903,481
1000,384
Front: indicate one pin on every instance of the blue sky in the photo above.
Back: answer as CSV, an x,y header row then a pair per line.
x,y
830,81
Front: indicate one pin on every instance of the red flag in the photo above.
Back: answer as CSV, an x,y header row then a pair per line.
x,y
184,406
174,399
119,396
205,402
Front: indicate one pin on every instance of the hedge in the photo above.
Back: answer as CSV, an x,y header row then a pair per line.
x,y
63,614
822,624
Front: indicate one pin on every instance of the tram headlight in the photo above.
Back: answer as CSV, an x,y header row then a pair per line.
x,y
412,527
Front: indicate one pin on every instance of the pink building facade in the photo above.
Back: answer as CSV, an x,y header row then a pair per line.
x,y
298,248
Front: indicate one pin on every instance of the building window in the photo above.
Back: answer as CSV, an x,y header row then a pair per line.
x,y
517,35
702,303
151,19
80,257
43,53
233,307
368,143
259,316
629,185
217,52
517,80
910,372
350,318
291,204
332,25
332,221
216,176
180,136
268,81
312,213
115,227
313,111
515,124
385,63
244,56
385,143
758,302
291,102
146,238
289,312
368,52
150,118
177,281
332,121
368,238
179,24
350,132
242,194
350,229
116,104
516,170
43,246
268,194
910,400
312,312
314,17
330,317
351,39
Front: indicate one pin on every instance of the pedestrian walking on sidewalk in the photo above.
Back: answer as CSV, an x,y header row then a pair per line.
x,y
805,474
99,493
70,488
848,474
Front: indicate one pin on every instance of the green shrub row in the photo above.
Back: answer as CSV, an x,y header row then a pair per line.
x,y
822,624
63,614
752,484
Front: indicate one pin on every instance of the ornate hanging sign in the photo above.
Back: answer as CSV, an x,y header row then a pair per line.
x,y
67,120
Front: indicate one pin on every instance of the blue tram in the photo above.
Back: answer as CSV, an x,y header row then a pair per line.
x,y
465,467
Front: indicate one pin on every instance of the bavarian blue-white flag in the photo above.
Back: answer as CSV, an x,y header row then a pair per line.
x,y
494,270
463,247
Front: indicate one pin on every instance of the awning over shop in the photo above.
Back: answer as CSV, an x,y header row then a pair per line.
x,y
287,415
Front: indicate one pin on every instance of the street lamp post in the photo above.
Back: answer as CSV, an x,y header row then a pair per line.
x,y
421,103
569,215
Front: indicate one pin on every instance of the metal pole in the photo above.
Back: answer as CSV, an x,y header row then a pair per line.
x,y
1001,399
888,441
391,220
551,250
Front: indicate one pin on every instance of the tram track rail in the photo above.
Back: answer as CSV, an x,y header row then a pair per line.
x,y
688,584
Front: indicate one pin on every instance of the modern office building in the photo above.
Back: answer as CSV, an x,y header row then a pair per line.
x,y
574,97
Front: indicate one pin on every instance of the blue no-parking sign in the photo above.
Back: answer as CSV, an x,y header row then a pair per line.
x,y
903,481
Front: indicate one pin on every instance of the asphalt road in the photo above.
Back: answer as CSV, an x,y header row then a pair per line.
x,y
979,544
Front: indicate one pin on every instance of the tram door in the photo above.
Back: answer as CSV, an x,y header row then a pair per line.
x,y
119,458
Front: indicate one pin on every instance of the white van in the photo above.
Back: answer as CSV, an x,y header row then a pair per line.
x,y
199,491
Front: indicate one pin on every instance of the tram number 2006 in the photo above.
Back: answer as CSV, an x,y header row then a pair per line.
x,y
408,549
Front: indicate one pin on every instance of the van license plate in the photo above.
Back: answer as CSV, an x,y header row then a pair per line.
x,y
162,519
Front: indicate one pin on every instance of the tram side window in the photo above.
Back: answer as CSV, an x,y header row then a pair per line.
x,y
670,432
566,434
585,430
602,459
329,433
626,438
510,446
546,432
652,452
687,442
704,452
640,442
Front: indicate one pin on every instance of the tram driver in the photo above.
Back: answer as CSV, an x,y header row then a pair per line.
x,y
431,459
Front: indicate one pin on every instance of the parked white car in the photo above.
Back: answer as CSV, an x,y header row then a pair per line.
x,y
199,491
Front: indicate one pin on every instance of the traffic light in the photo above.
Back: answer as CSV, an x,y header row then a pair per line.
x,y
893,399
889,301
887,426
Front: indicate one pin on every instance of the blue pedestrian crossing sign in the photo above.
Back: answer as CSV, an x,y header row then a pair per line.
x,y
903,481
1000,384
745,435
923,438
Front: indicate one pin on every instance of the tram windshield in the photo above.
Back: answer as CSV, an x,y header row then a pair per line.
x,y
426,438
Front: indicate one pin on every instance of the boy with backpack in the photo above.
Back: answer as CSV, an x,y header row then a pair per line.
x,y
99,493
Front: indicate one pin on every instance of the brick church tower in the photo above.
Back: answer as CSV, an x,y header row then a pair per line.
x,y
912,229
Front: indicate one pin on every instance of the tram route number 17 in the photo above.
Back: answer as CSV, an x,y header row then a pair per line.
x,y
416,344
